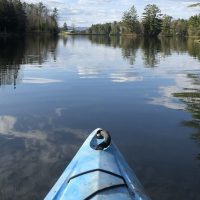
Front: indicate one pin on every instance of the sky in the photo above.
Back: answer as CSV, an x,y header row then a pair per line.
x,y
87,12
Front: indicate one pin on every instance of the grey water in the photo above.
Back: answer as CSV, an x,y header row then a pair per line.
x,y
55,91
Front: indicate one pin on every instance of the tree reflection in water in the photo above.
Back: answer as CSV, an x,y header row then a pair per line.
x,y
191,98
15,52
41,131
153,49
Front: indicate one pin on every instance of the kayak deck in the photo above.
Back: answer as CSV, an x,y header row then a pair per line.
x,y
97,174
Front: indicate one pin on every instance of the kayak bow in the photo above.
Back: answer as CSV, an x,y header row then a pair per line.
x,y
98,171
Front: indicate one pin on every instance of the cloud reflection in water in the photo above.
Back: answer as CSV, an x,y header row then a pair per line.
x,y
33,158
35,80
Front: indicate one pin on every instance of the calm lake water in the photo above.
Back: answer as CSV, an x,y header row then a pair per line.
x,y
54,92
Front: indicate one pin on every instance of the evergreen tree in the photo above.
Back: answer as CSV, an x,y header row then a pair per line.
x,y
130,20
115,29
152,22
194,25
180,27
65,27
16,17
166,25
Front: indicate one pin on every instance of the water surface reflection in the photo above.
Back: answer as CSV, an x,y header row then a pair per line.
x,y
33,152
146,90
15,52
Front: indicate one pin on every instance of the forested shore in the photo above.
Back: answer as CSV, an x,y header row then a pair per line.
x,y
152,23
18,17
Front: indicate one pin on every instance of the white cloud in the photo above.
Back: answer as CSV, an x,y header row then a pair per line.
x,y
87,12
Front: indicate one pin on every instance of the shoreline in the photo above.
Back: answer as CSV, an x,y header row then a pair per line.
x,y
14,35
24,34
128,35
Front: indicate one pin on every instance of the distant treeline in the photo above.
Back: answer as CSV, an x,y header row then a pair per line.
x,y
17,17
153,23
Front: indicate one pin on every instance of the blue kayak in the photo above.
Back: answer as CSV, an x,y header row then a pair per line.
x,y
98,171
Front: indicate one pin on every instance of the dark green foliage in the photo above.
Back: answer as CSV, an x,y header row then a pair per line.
x,y
115,29
130,21
179,27
194,5
153,24
100,29
65,28
194,25
152,20
16,17
40,19
166,25
12,16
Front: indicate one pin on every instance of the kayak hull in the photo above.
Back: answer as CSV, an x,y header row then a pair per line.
x,y
97,174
